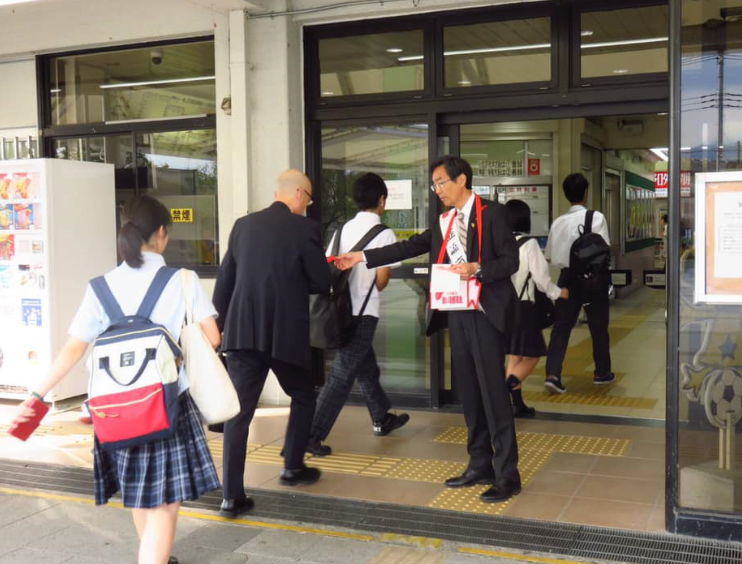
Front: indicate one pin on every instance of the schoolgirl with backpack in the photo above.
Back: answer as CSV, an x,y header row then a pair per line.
x,y
149,440
536,292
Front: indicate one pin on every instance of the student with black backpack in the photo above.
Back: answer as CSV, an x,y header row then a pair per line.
x,y
579,244
536,292
355,359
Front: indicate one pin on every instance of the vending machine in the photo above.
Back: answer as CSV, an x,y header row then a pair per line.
x,y
57,231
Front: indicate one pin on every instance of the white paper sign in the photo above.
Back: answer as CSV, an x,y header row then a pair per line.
x,y
728,225
400,194
451,293
442,279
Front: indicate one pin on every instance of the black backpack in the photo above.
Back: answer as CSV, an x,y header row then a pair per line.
x,y
331,315
542,304
589,264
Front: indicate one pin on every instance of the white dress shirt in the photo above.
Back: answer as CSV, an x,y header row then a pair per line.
x,y
129,285
564,232
532,260
361,277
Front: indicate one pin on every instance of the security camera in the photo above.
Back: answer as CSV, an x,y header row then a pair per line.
x,y
156,57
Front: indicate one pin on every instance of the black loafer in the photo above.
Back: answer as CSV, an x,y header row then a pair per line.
x,y
232,508
303,476
524,412
500,492
315,447
470,478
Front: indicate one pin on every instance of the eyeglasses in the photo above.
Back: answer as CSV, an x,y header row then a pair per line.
x,y
311,201
438,185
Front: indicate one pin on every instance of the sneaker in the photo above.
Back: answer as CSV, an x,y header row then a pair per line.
x,y
315,447
554,385
392,421
602,380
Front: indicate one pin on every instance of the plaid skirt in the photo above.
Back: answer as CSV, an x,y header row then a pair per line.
x,y
179,468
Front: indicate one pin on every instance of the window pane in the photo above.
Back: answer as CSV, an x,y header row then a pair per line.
x,y
146,83
621,42
505,52
181,172
710,345
397,153
369,64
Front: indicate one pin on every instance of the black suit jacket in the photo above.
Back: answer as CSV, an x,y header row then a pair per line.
x,y
274,261
499,262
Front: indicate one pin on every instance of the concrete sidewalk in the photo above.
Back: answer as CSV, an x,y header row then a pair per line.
x,y
43,528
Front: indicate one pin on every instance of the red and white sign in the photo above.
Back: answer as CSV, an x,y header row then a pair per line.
x,y
534,167
662,181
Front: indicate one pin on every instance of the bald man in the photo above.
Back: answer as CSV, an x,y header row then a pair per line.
x,y
273,263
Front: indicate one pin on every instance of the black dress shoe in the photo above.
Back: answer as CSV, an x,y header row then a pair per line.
x,y
232,508
500,492
315,447
303,476
172,560
524,411
391,422
470,478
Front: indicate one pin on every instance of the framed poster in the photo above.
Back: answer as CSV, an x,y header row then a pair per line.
x,y
718,266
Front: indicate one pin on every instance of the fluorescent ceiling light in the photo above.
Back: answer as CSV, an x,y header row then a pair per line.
x,y
536,46
586,33
394,50
55,90
661,152
8,2
626,42
328,93
620,71
156,82
464,82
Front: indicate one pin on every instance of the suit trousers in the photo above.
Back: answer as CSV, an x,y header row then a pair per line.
x,y
248,370
477,361
355,361
566,313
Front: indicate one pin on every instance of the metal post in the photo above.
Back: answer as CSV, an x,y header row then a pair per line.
x,y
673,269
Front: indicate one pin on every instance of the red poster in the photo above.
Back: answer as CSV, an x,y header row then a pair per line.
x,y
534,167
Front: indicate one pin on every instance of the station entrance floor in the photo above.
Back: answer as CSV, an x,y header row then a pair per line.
x,y
596,474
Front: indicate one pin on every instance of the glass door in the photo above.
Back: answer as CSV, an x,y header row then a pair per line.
x,y
399,154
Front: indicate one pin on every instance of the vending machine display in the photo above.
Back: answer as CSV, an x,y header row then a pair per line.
x,y
45,262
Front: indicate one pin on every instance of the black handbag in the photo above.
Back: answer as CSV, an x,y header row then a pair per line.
x,y
542,305
331,316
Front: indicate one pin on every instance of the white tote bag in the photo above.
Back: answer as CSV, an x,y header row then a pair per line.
x,y
209,382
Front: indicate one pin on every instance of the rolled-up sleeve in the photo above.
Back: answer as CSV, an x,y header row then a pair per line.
x,y
90,320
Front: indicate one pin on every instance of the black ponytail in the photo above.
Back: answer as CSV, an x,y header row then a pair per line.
x,y
142,217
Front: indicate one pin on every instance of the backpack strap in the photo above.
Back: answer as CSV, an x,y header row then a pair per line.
x,y
588,227
103,292
368,237
368,295
336,242
520,242
158,284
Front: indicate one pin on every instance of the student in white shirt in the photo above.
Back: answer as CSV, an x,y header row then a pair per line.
x,y
526,344
356,360
565,231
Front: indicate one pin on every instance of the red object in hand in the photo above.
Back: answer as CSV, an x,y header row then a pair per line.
x,y
24,430
331,259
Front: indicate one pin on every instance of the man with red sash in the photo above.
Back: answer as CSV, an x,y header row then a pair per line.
x,y
474,237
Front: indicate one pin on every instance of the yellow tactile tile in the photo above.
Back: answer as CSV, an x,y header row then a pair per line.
x,y
467,500
574,444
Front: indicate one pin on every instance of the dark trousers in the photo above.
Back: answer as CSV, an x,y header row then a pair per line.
x,y
477,362
566,313
248,371
354,361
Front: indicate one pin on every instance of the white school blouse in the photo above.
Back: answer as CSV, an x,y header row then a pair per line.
x,y
129,285
532,260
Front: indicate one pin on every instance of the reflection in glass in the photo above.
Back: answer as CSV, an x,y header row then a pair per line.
x,y
624,42
369,64
710,443
146,83
506,52
395,153
180,171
